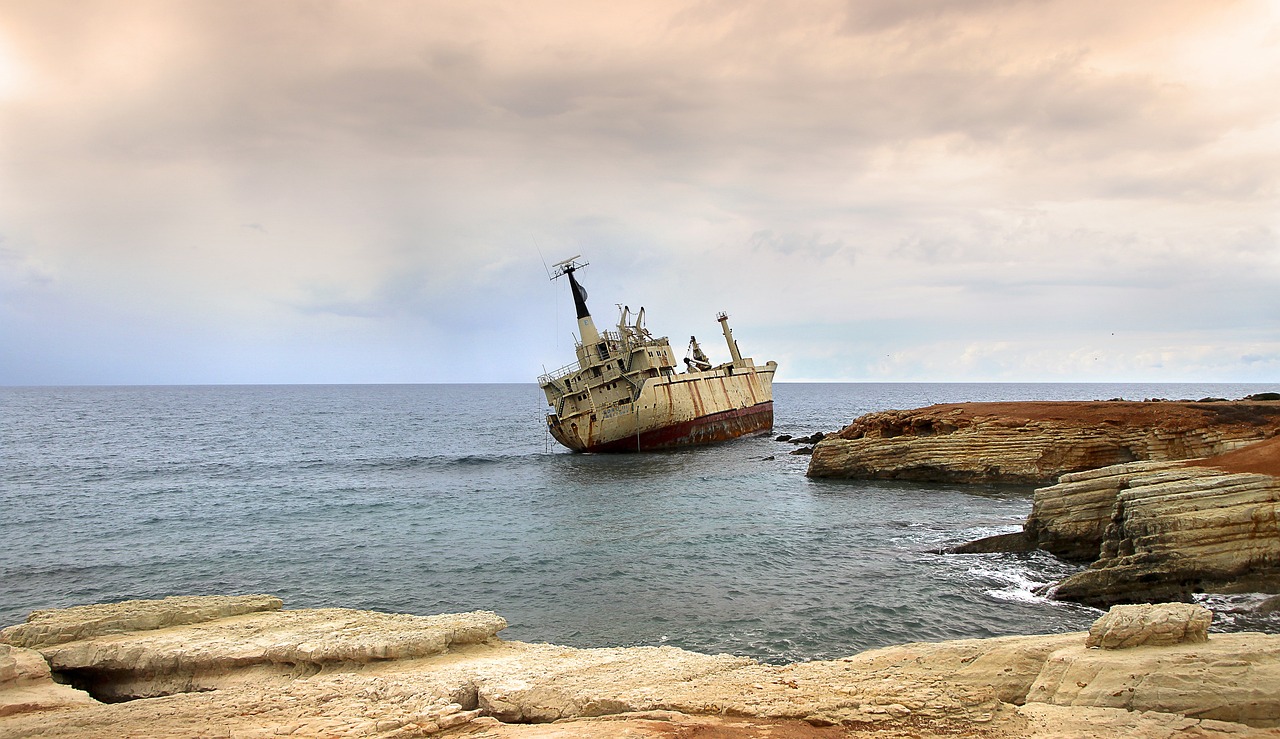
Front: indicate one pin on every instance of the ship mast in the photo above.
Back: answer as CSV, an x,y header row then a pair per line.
x,y
586,326
728,338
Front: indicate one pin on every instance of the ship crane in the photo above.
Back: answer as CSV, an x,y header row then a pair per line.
x,y
696,360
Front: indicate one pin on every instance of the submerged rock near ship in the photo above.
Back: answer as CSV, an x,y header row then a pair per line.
x,y
624,394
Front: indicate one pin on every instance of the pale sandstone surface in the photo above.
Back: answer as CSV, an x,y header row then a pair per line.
x,y
58,625
970,687
26,685
1232,677
1158,625
1046,721
268,645
1035,442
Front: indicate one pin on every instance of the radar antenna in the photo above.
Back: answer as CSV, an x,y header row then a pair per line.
x,y
567,266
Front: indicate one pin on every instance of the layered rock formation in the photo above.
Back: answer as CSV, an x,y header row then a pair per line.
x,y
1035,442
1162,532
334,673
121,663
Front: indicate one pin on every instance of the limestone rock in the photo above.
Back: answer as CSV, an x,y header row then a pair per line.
x,y
1046,721
1233,677
337,673
1035,442
291,643
55,626
1164,624
26,684
1070,518
1171,531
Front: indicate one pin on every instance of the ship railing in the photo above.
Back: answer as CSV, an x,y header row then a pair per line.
x,y
554,375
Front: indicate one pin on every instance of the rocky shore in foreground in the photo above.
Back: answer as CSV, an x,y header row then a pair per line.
x,y
243,667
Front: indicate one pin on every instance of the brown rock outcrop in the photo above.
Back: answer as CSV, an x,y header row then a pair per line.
x,y
1161,531
1182,532
999,688
1035,442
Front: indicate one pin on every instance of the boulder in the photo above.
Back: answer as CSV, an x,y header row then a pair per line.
x,y
1163,624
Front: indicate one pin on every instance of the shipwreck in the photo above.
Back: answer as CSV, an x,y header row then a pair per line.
x,y
625,393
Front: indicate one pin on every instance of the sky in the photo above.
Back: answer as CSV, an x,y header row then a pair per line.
x,y
335,191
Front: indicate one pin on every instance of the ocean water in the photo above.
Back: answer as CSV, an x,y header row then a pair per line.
x,y
440,498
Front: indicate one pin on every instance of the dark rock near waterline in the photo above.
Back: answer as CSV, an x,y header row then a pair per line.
x,y
805,450
813,438
1015,542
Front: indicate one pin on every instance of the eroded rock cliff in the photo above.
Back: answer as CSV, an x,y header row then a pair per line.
x,y
1175,532
1035,442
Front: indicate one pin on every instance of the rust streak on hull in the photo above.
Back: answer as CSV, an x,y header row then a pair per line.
x,y
706,430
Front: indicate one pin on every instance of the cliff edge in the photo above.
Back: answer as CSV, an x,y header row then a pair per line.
x,y
1160,531
1036,442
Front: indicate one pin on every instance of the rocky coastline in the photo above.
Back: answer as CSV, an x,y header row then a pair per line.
x,y
1163,499
244,667
1036,442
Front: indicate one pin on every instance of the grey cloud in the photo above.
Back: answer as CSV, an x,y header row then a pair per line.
x,y
873,16
789,244
365,162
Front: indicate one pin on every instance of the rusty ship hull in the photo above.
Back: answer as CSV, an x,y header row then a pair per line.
x,y
685,411
624,394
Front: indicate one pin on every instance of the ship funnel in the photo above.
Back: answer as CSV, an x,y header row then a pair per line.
x,y
723,318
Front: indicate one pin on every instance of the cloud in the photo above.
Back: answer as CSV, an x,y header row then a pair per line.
x,y
329,168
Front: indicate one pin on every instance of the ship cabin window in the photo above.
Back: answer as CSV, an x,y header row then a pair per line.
x,y
596,370
603,350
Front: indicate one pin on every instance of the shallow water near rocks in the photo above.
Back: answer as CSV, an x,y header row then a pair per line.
x,y
439,498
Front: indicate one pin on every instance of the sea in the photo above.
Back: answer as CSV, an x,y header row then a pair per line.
x,y
429,499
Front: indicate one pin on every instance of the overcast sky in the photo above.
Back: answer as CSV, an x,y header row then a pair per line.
x,y
231,191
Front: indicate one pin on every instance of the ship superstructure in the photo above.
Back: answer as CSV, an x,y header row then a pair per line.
x,y
624,393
